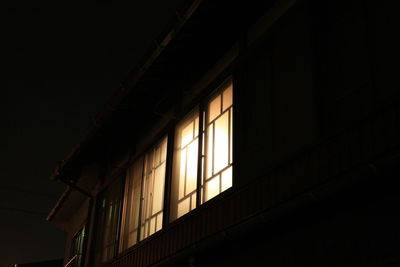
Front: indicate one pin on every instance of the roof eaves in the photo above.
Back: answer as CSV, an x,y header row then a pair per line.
x,y
58,204
105,114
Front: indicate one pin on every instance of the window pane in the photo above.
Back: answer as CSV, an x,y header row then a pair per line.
x,y
191,174
182,176
221,151
212,188
210,146
164,151
152,226
227,98
135,202
152,198
183,207
157,157
187,134
159,221
218,140
77,248
231,138
196,127
226,179
214,109
108,223
158,189
132,239
193,199
185,163
130,219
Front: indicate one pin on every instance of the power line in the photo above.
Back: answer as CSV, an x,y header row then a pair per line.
x,y
13,189
37,213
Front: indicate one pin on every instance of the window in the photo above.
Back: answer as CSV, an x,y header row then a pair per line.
x,y
185,170
215,160
144,196
76,251
109,207
201,169
218,142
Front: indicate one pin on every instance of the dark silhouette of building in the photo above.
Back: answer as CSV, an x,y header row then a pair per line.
x,y
254,133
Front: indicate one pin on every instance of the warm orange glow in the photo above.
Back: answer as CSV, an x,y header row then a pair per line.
x,y
214,108
191,167
187,134
147,172
212,188
218,176
183,207
221,143
227,97
153,190
185,168
226,179
216,154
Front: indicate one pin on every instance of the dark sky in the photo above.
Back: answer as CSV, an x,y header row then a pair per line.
x,y
61,62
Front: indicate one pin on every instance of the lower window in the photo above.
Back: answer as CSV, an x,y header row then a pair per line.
x,y
76,252
109,207
144,196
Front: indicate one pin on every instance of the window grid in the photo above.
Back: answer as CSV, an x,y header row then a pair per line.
x,y
144,199
213,165
153,162
108,223
188,150
77,248
209,156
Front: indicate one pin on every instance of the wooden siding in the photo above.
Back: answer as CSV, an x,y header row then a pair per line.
x,y
373,139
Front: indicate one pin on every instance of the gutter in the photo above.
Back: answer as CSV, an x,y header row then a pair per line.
x,y
56,175
58,204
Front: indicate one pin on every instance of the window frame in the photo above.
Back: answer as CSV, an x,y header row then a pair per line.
x,y
199,103
116,183
77,248
200,109
215,93
165,137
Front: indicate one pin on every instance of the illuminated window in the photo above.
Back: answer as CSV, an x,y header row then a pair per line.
x,y
218,145
191,186
184,183
144,196
153,190
130,218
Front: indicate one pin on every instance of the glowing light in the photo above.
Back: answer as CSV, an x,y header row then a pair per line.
x,y
185,168
221,143
212,188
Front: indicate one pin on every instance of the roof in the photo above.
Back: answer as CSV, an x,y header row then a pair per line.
x,y
199,35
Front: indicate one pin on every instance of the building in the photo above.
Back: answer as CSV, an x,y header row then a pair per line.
x,y
257,133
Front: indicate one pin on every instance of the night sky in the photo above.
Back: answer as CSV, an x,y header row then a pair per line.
x,y
61,60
